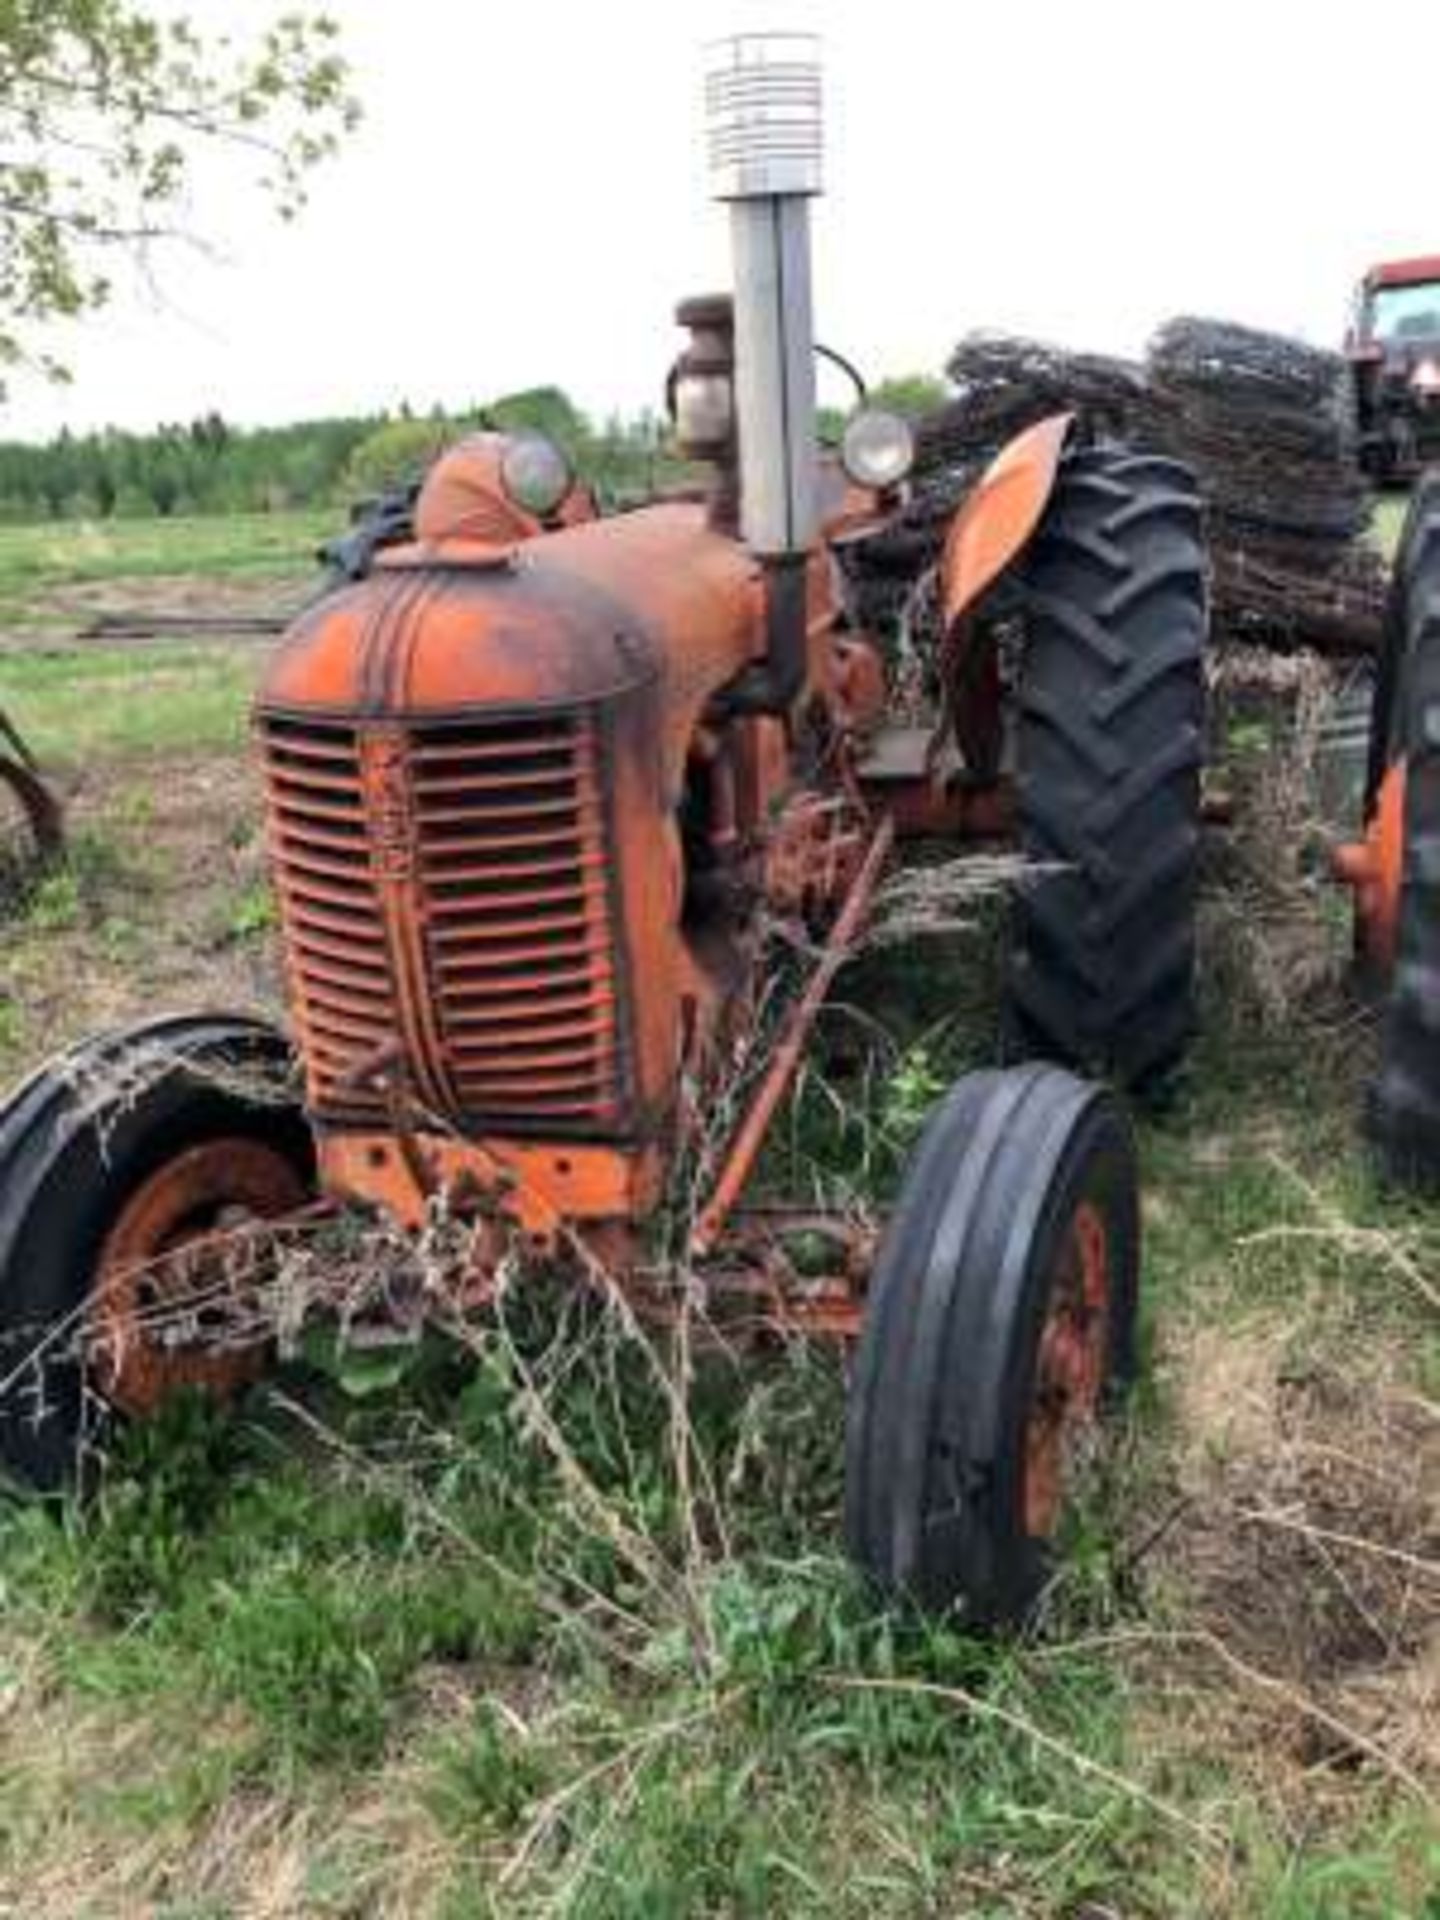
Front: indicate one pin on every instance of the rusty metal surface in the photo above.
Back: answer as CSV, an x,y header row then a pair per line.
x,y
1374,868
525,848
999,516
749,1137
447,890
1071,1361
473,774
162,1274
38,805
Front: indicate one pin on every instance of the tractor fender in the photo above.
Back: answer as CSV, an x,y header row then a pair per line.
x,y
1000,514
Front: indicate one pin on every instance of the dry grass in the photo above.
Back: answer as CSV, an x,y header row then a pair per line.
x,y
1274,933
1300,1560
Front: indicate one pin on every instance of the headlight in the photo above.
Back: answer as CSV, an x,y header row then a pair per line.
x,y
878,449
536,474
704,410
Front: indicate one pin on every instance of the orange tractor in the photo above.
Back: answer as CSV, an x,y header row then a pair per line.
x,y
540,786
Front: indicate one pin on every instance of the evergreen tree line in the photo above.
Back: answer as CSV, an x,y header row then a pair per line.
x,y
212,467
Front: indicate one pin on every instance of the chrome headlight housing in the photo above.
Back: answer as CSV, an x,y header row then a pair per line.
x,y
704,409
878,449
537,474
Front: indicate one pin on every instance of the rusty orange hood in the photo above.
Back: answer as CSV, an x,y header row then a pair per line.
x,y
569,618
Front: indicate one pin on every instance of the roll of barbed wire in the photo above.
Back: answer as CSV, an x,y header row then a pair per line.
x,y
1264,421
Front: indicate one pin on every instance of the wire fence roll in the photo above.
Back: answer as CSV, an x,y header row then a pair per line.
x,y
1265,423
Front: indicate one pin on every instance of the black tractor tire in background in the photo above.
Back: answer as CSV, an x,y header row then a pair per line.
x,y
1109,744
1000,1318
1403,1108
78,1140
1414,556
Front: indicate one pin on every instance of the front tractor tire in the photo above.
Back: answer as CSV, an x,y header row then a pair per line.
x,y
1109,743
112,1157
1001,1317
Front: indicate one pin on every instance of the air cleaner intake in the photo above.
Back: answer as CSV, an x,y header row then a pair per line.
x,y
763,103
762,95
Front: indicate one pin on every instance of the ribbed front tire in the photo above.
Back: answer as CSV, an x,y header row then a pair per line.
x,y
1109,747
1000,1319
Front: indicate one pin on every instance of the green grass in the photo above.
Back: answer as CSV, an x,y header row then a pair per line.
x,y
244,545
76,707
417,1651
84,701
1389,518
511,1631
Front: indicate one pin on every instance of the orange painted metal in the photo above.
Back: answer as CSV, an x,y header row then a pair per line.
x,y
464,503
162,1265
750,1135
1000,515
1069,1368
473,777
859,683
537,1186
1374,868
925,808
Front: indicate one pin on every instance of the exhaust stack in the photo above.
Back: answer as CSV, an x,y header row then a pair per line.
x,y
763,103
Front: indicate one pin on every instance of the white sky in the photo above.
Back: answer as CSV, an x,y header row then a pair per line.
x,y
527,197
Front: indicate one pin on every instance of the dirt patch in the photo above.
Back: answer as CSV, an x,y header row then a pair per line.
x,y
56,619
180,594
1303,1554
163,905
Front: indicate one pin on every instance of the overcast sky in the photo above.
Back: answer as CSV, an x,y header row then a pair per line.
x,y
527,197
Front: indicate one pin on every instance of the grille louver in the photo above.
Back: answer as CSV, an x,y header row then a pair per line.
x,y
506,879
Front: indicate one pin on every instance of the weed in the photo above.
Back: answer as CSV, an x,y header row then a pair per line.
x,y
253,912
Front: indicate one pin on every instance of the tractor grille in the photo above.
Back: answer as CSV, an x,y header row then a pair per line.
x,y
475,936
330,906
513,860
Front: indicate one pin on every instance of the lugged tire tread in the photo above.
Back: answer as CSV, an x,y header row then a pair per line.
x,y
1109,748
1402,1114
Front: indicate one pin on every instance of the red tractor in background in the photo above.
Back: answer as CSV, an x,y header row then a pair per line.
x,y
540,786
1393,345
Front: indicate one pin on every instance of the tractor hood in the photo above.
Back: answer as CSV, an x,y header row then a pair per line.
x,y
458,631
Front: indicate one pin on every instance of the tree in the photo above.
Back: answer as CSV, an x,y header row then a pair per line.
x,y
103,107
546,410
909,394
395,453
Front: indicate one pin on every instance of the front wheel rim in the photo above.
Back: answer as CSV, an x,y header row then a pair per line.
x,y
156,1324
1070,1367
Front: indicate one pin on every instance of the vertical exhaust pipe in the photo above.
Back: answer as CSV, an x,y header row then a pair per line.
x,y
763,107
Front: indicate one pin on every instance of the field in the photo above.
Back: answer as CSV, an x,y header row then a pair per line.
x,y
526,1631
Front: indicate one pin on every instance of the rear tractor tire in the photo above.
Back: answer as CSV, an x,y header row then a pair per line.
x,y
1001,1316
1109,743
1403,1109
113,1155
